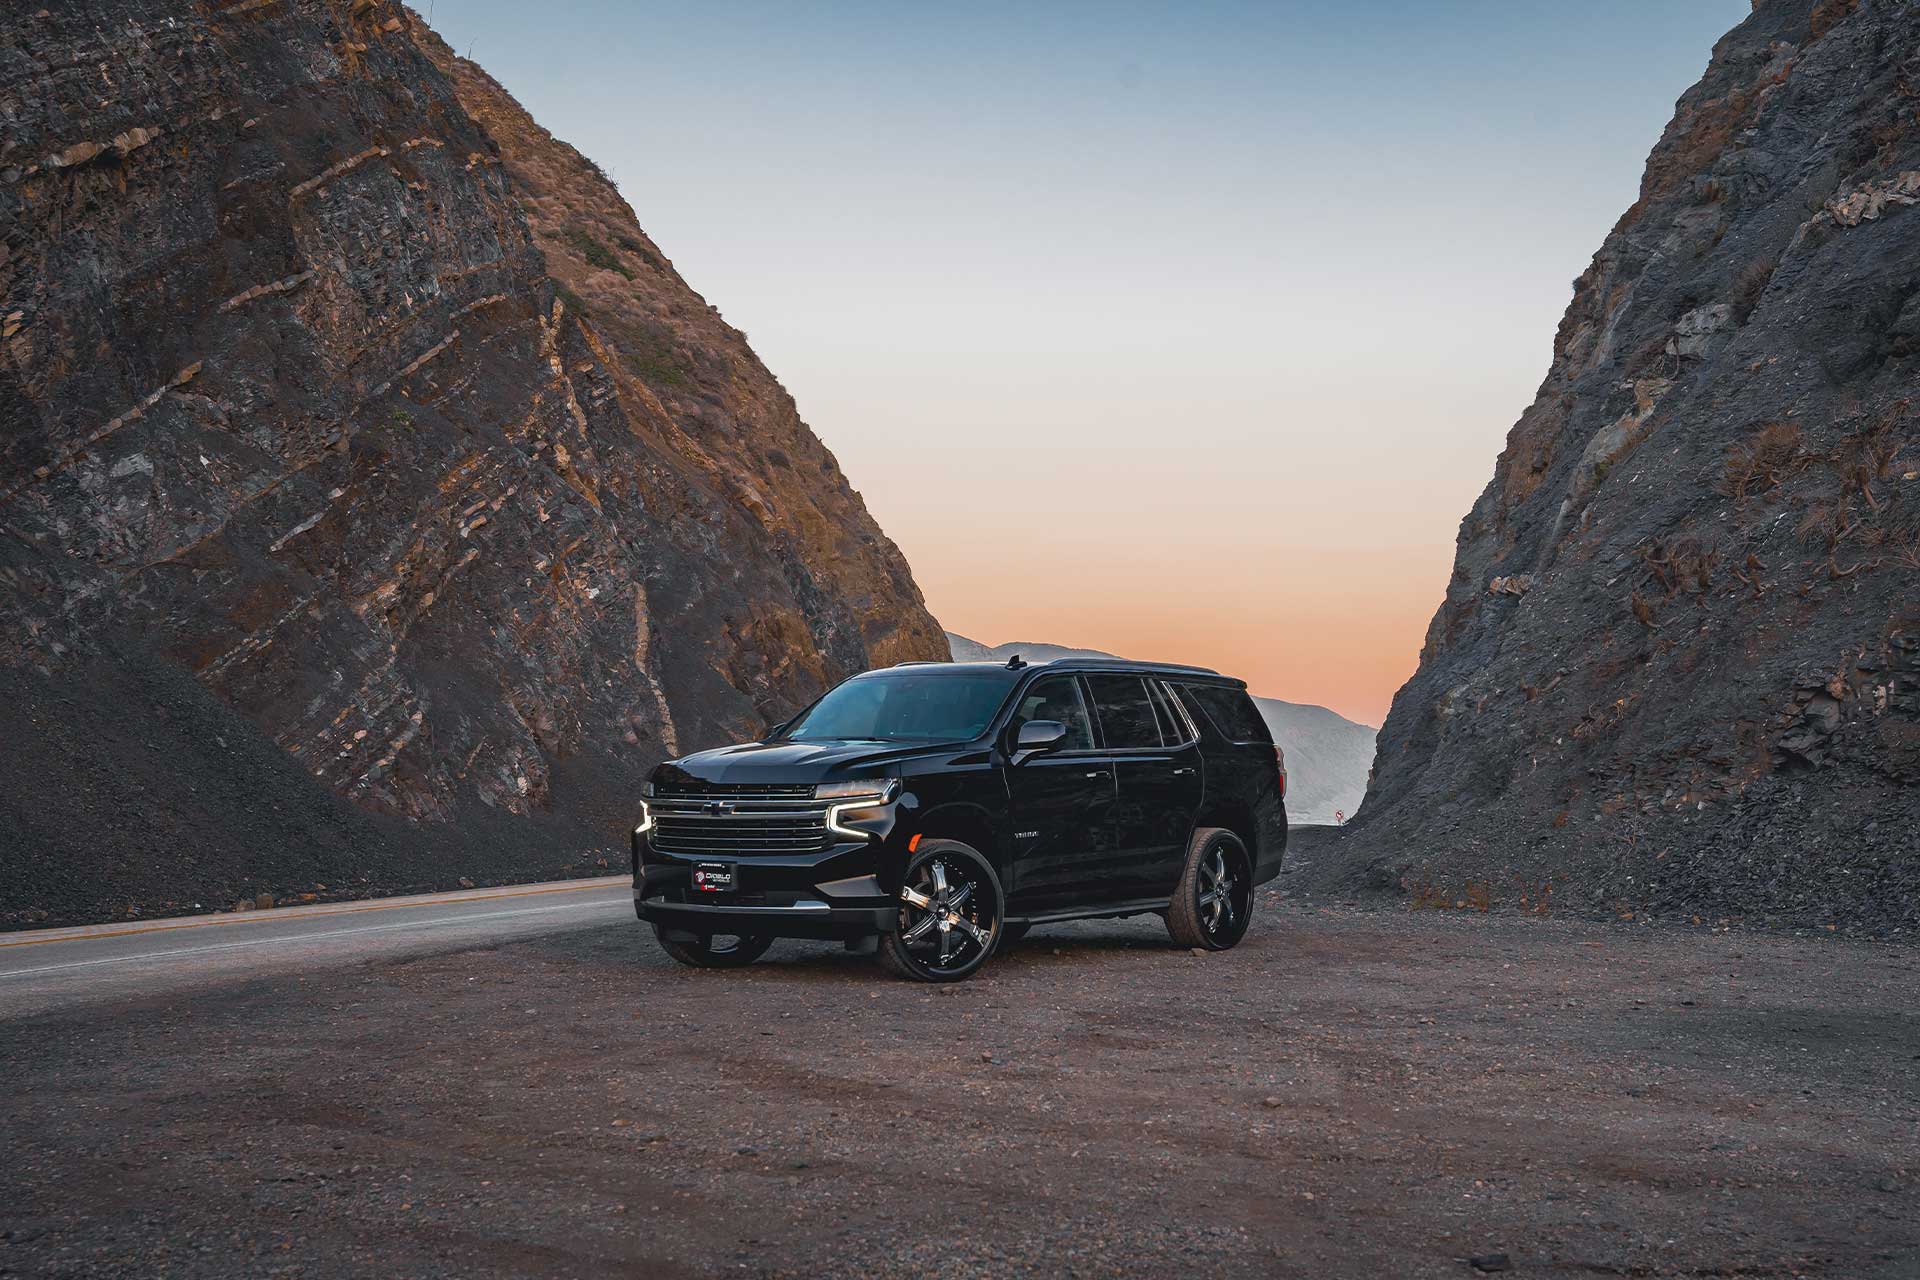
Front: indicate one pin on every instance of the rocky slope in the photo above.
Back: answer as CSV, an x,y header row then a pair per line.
x,y
1678,664
1327,755
330,380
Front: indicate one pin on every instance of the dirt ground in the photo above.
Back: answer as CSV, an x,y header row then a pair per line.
x,y
1347,1094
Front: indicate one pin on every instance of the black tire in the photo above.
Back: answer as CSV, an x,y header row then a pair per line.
x,y
1214,903
735,951
952,882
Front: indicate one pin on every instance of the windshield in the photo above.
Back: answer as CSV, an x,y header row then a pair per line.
x,y
905,707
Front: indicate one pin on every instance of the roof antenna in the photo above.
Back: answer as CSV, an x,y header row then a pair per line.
x,y
1014,663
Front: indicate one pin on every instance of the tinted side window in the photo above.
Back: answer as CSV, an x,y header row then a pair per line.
x,y
1231,711
1173,729
1057,698
1126,712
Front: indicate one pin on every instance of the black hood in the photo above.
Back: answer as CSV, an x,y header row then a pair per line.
x,y
829,760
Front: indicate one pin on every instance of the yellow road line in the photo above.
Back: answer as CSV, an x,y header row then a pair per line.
x,y
318,909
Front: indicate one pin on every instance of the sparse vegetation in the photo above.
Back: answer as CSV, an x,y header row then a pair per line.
x,y
1761,462
651,358
571,298
596,254
1679,564
1749,285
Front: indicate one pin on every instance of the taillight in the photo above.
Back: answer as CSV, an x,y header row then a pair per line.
x,y
1280,770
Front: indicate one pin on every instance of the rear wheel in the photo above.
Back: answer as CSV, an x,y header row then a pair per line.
x,y
1214,903
718,951
950,914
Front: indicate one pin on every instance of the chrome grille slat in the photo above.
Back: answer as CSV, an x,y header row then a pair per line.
x,y
763,819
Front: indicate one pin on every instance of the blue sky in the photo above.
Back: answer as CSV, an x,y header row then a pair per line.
x,y
1006,257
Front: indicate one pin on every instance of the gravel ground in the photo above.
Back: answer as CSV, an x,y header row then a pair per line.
x,y
1349,1093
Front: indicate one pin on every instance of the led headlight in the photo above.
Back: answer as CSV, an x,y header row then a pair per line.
x,y
854,789
864,815
646,817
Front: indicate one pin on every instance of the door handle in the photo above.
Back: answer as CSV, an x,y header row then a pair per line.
x,y
1099,773
1182,771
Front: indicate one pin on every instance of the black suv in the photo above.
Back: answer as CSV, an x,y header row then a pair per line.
x,y
934,810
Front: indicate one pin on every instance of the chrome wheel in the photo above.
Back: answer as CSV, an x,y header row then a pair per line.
x,y
950,910
1213,904
1219,905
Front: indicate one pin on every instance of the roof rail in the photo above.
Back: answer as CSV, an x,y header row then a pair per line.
x,y
1129,664
923,662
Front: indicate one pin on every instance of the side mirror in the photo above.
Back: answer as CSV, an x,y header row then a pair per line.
x,y
1037,736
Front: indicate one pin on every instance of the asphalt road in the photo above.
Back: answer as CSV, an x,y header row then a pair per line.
x,y
47,968
506,1086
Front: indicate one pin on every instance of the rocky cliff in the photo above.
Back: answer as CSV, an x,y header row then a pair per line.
x,y
333,382
1678,664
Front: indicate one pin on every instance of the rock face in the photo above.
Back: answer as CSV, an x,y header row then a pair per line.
x,y
333,380
1678,664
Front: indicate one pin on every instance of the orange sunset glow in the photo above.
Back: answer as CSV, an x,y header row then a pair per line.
x,y
1182,334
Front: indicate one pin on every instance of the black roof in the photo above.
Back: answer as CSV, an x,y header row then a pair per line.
x,y
1081,664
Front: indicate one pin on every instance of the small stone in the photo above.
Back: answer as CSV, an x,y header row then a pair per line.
x,y
1271,1102
1198,951
1490,1262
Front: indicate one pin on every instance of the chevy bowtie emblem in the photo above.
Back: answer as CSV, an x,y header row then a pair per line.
x,y
719,808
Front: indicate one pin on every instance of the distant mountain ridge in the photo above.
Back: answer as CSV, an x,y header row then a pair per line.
x,y
1328,755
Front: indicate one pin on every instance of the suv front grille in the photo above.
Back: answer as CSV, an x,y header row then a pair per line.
x,y
738,820
695,788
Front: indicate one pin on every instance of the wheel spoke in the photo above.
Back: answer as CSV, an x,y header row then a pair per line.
x,y
971,929
958,899
920,930
917,898
939,878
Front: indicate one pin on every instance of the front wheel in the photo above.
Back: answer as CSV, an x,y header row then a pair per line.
x,y
950,914
720,951
1214,903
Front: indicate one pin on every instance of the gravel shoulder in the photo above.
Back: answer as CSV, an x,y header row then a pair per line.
x,y
1349,1093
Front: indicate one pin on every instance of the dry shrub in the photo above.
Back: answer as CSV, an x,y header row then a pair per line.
x,y
1762,461
1749,285
1680,564
1642,610
1868,454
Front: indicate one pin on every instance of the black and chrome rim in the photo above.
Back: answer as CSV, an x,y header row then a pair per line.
x,y
948,914
1223,893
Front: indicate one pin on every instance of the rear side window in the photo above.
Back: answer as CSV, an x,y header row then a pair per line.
x,y
1231,711
1125,710
1173,730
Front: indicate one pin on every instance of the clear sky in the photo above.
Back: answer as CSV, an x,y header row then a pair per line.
x,y
1186,331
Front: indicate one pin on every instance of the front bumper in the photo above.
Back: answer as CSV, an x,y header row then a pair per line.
x,y
837,894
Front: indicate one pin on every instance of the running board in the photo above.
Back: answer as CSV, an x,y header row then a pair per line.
x,y
1108,911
